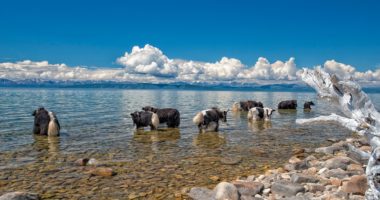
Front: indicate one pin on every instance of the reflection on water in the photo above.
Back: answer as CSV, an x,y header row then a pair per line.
x,y
259,125
149,164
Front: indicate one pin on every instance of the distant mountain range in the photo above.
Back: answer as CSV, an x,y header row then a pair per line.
x,y
36,83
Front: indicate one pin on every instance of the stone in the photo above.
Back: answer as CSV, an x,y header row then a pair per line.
x,y
355,167
248,188
201,193
285,188
312,170
337,173
214,178
231,160
20,196
338,162
82,161
302,178
366,148
294,160
356,185
357,197
266,191
102,171
251,178
285,176
226,190
315,187
246,197
321,171
298,151
336,181
93,162
328,150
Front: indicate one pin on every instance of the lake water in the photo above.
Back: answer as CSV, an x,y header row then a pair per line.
x,y
96,123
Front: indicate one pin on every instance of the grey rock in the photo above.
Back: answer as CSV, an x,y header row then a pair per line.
x,y
302,178
200,193
230,160
284,188
338,162
20,196
248,188
329,149
314,187
226,190
337,173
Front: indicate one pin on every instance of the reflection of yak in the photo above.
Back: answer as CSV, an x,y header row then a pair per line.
x,y
290,104
308,105
145,118
45,123
169,115
208,120
258,113
246,105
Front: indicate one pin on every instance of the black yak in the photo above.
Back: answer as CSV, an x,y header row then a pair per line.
x,y
45,123
290,104
169,115
246,105
208,120
145,118
307,105
258,113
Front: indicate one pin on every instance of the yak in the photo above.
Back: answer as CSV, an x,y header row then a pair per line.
x,y
169,115
45,122
246,105
258,113
289,104
145,118
209,119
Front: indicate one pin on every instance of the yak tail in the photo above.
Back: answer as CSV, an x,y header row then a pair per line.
x,y
198,119
53,128
236,107
155,120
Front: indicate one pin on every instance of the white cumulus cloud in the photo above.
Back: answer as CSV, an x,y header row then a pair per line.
x,y
149,64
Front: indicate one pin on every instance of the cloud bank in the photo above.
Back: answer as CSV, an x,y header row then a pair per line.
x,y
149,64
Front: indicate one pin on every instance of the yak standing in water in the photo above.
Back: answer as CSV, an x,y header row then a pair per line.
x,y
45,123
208,120
258,113
169,115
290,104
307,105
145,118
246,105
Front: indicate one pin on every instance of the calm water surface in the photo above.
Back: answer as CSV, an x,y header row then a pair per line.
x,y
150,165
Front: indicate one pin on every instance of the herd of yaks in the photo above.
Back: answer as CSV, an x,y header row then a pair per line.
x,y
46,123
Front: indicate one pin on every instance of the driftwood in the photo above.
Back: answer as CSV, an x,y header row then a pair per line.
x,y
360,116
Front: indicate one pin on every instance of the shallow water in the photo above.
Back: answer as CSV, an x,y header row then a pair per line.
x,y
96,124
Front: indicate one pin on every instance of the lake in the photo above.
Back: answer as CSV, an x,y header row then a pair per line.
x,y
96,123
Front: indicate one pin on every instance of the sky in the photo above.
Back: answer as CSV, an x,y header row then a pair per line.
x,y
99,34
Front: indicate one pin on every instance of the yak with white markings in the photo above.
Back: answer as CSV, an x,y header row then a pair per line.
x,y
145,118
170,116
208,120
45,123
257,113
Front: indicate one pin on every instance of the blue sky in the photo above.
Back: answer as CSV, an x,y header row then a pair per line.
x,y
96,33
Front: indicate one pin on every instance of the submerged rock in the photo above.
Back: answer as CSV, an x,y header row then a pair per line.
x,y
20,196
102,171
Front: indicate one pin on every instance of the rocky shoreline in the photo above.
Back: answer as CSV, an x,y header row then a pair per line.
x,y
325,173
